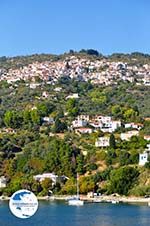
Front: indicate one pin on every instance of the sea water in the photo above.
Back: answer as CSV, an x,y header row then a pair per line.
x,y
52,213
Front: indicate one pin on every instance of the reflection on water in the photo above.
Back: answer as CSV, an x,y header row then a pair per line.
x,y
60,214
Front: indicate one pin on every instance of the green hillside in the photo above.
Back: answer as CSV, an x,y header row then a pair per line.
x,y
30,146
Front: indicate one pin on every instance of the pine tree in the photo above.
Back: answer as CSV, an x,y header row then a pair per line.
x,y
112,142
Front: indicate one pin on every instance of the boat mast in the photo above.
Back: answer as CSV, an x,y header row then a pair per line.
x,y
77,187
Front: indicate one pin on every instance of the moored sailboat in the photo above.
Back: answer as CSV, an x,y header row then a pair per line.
x,y
76,201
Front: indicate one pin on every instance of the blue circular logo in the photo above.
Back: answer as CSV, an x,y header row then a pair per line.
x,y
23,204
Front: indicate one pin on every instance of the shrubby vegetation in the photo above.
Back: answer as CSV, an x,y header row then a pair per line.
x,y
122,179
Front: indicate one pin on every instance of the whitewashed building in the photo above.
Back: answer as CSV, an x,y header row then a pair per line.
x,y
129,134
74,95
133,125
3,182
84,117
79,123
115,124
34,85
58,89
147,137
45,94
143,158
52,176
48,120
105,123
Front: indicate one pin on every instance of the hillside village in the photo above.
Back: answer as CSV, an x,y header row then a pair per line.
x,y
76,114
98,71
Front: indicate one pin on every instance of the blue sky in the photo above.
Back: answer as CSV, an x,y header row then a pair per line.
x,y
56,26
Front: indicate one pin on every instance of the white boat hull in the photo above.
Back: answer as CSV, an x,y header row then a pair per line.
x,y
76,202
114,201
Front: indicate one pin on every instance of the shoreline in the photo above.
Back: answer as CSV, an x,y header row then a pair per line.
x,y
120,199
98,199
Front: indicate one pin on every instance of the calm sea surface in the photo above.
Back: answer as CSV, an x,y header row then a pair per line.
x,y
99,214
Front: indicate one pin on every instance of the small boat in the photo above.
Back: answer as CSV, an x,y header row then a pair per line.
x,y
114,201
97,200
149,204
76,200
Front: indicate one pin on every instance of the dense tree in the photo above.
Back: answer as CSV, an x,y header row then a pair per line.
x,y
124,158
116,111
26,117
35,117
130,114
147,164
46,185
13,119
122,179
80,164
70,187
90,52
72,107
112,141
59,126
86,184
98,96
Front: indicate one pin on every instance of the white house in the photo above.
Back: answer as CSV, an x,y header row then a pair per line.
x,y
52,176
45,94
11,80
147,137
57,89
103,119
96,125
3,182
133,125
111,126
79,123
74,95
137,126
106,129
41,177
127,125
84,117
102,142
105,123
115,125
129,134
34,85
48,120
146,80
143,158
